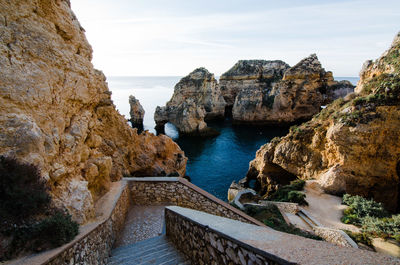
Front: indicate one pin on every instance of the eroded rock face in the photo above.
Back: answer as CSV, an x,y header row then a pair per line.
x,y
136,112
277,94
352,146
250,75
57,113
196,98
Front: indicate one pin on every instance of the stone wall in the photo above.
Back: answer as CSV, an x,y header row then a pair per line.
x,y
207,246
286,207
95,241
335,236
180,192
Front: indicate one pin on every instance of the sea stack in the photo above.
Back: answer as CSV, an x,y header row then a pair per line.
x,y
196,99
250,75
352,146
271,92
136,112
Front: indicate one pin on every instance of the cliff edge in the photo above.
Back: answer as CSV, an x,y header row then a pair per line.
x,y
196,99
352,146
57,113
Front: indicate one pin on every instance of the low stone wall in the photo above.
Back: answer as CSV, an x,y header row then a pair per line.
x,y
203,245
335,236
287,207
180,192
94,242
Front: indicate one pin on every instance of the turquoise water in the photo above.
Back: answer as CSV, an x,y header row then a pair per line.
x,y
213,163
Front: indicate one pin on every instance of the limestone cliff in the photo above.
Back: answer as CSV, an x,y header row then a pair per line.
x,y
351,146
136,112
57,113
277,94
196,98
249,75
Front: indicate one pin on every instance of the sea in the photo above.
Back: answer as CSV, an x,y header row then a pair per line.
x,y
213,163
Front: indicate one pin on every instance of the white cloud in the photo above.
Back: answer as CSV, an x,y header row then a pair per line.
x,y
158,41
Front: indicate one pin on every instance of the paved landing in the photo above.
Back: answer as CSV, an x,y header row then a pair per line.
x,y
142,222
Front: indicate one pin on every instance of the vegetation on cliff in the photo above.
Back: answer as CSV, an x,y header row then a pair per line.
x,y
290,193
372,217
28,221
351,146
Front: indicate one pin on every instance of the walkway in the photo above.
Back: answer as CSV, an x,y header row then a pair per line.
x,y
143,239
142,222
325,208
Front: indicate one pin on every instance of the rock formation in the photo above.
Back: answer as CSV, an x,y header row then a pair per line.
x,y
249,75
196,99
352,146
57,113
136,112
277,94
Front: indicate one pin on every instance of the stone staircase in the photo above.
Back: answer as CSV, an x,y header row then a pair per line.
x,y
157,250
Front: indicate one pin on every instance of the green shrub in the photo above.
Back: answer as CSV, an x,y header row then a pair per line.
x,y
382,227
290,193
359,101
370,215
58,229
22,191
363,207
27,218
50,232
350,219
363,238
297,184
297,197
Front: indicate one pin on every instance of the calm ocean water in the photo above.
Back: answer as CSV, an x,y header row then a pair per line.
x,y
213,163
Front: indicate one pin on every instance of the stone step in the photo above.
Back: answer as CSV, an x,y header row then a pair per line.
x,y
157,250
144,244
306,220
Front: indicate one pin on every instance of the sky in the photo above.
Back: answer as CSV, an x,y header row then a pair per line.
x,y
173,37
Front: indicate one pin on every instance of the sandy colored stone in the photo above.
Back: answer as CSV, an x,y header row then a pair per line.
x,y
136,112
56,109
279,94
196,98
349,147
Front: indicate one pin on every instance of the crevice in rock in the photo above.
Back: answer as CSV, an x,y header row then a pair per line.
x,y
398,186
228,112
62,33
9,57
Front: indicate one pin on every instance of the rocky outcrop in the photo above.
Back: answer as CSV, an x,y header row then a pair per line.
x,y
57,113
196,99
250,75
352,146
136,112
277,94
